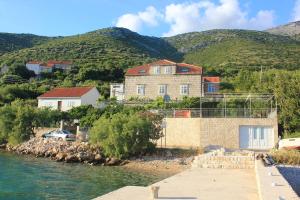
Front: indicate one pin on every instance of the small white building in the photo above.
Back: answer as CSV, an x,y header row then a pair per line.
x,y
64,99
38,67
117,91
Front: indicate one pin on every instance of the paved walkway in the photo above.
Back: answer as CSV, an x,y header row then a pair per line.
x,y
201,184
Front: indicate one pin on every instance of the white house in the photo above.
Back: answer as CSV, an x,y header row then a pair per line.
x,y
64,99
117,91
39,67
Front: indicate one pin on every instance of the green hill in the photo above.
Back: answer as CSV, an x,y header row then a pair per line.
x,y
11,42
105,48
238,49
121,48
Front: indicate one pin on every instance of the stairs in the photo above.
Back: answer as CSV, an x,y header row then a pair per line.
x,y
227,160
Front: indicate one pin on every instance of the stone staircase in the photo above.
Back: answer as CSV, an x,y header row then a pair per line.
x,y
225,159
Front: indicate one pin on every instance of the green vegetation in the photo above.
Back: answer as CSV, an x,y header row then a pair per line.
x,y
124,134
288,157
225,50
18,120
102,56
11,42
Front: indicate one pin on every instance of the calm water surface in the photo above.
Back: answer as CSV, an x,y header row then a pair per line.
x,y
29,178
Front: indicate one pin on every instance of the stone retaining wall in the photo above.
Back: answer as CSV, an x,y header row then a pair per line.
x,y
222,159
203,132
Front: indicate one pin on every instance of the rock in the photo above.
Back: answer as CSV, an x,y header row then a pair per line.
x,y
60,156
113,161
71,158
2,146
98,158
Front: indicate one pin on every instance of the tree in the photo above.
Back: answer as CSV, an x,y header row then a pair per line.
x,y
125,134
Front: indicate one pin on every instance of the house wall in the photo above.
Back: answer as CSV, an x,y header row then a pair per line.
x,y
202,132
67,103
152,83
117,91
34,67
91,98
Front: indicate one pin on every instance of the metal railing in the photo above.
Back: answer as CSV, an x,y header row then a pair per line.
x,y
219,113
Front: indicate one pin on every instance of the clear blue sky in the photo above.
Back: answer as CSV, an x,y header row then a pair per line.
x,y
157,17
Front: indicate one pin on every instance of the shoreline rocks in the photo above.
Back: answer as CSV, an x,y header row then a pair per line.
x,y
63,151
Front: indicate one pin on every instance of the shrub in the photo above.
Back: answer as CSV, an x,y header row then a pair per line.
x,y
290,157
123,134
18,120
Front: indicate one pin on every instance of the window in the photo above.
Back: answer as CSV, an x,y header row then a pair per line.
x,y
162,90
140,89
211,87
142,71
184,69
156,70
168,70
184,89
71,103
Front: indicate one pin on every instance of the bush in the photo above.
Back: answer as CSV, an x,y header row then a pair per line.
x,y
123,134
289,157
17,121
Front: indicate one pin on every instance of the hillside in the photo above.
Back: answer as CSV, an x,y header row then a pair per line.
x,y
11,42
238,48
290,29
112,48
105,48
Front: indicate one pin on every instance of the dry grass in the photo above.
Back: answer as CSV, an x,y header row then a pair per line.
x,y
289,157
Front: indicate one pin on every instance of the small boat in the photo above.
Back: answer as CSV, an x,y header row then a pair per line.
x,y
290,143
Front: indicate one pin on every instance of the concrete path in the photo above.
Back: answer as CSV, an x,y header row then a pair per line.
x,y
201,184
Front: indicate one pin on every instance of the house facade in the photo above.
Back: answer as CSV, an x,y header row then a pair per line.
x,y
47,67
64,99
165,79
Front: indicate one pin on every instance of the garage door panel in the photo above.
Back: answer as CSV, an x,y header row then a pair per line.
x,y
256,137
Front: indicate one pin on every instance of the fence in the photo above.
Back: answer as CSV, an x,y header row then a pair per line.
x,y
219,113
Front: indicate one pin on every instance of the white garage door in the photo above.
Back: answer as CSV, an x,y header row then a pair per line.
x,y
256,137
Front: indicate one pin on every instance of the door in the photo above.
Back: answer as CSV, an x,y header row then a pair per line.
x,y
59,105
256,137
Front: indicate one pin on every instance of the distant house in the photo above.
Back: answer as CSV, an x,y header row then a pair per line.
x,y
39,67
169,80
64,99
4,69
211,84
117,91
63,65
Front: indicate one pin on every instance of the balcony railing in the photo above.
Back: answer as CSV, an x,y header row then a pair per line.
x,y
219,113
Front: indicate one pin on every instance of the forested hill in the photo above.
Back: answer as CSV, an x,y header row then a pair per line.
x,y
105,48
12,42
238,48
121,48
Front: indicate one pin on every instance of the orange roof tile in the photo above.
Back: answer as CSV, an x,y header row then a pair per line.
x,y
66,92
212,79
144,69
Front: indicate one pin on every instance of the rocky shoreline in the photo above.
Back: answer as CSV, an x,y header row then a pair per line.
x,y
63,151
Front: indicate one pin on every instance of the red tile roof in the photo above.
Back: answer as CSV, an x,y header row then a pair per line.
x,y
34,62
180,68
66,92
212,79
50,63
59,62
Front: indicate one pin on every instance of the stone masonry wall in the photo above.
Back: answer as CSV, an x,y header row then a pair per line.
x,y
152,83
202,132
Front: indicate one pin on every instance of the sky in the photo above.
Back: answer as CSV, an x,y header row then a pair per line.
x,y
147,17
